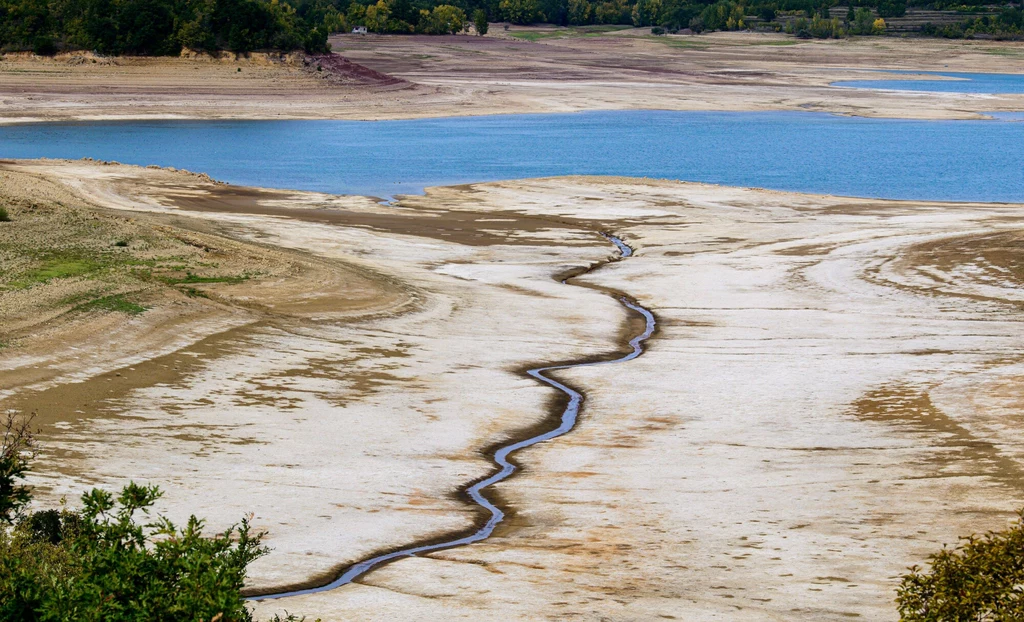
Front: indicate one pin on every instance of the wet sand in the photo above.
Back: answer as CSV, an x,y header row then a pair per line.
x,y
832,393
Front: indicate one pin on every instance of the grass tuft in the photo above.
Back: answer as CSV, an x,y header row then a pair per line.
x,y
4,216
561,33
191,278
117,303
192,292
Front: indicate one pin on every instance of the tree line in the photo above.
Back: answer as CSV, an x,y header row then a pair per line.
x,y
814,18
166,27
156,27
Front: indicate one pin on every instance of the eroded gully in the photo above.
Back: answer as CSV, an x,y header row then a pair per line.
x,y
502,456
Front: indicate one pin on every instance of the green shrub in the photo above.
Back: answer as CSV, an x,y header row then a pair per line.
x,y
17,448
4,216
104,563
979,579
480,21
101,564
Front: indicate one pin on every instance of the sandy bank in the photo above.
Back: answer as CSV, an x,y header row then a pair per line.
x,y
418,76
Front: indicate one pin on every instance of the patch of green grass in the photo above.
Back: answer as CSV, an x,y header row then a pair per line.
x,y
534,35
1011,52
191,278
4,216
117,303
597,31
57,268
76,299
561,33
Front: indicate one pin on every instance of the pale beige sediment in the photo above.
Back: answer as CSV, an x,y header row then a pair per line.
x,y
50,214
293,417
831,394
468,75
826,401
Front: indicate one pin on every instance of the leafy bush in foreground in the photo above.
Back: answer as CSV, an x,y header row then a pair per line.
x,y
17,448
104,564
101,564
982,578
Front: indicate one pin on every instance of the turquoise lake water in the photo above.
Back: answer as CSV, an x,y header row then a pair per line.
x,y
809,152
1004,83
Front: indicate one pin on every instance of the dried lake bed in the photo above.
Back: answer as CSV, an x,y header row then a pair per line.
x,y
831,393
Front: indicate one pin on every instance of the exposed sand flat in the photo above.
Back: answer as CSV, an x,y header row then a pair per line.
x,y
497,74
832,392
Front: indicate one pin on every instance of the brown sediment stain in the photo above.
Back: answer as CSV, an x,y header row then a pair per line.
x,y
808,250
462,226
956,452
954,262
358,376
109,395
888,208
411,215
102,396
1001,253
526,291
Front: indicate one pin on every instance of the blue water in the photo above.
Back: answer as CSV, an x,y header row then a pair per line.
x,y
799,151
995,83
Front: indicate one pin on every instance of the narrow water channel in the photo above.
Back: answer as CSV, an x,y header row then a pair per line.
x,y
501,457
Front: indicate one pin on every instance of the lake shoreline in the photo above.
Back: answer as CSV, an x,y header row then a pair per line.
x,y
470,76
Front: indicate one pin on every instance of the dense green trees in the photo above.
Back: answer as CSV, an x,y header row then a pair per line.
x,y
162,27
1007,24
156,27
520,11
443,20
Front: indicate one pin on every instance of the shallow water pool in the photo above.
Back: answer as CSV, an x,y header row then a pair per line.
x,y
948,82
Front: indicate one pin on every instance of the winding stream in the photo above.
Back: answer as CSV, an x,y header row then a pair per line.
x,y
502,455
